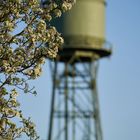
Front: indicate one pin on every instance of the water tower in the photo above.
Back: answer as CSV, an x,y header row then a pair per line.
x,y
74,111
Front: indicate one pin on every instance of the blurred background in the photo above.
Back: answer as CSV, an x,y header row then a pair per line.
x,y
118,78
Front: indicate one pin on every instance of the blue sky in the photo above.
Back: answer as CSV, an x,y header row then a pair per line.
x,y
118,78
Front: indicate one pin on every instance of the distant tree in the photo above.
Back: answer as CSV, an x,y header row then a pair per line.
x,y
26,40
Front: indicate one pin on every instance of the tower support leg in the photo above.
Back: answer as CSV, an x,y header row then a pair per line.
x,y
75,102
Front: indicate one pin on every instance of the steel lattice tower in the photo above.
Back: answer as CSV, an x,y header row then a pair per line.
x,y
74,109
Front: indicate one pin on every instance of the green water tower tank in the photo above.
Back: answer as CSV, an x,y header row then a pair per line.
x,y
83,27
